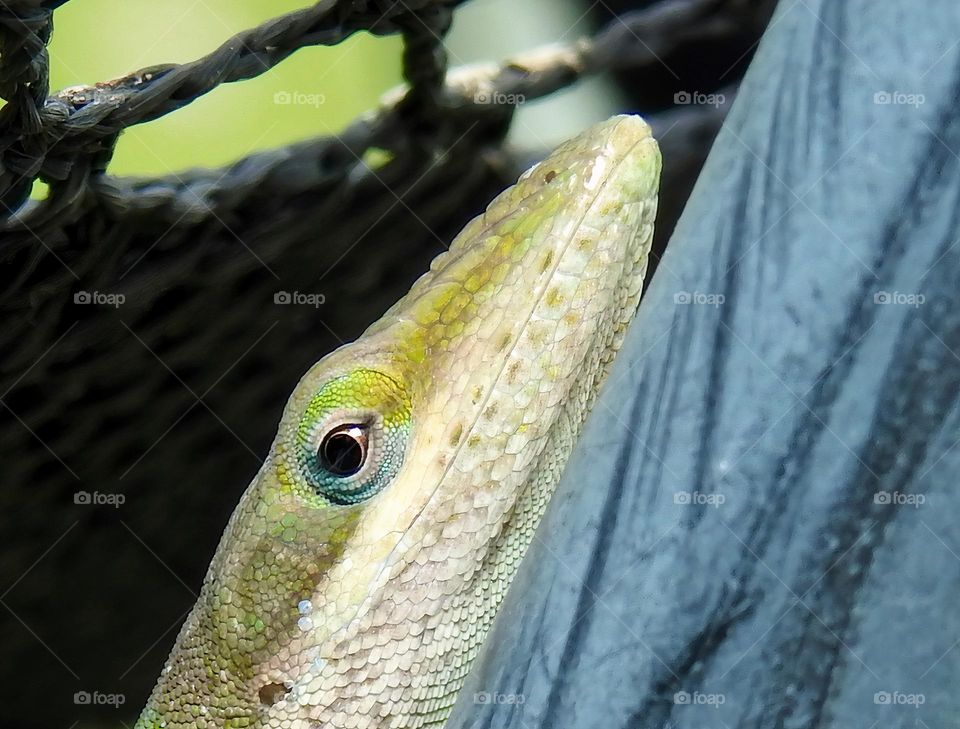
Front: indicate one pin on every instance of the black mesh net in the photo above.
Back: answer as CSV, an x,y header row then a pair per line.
x,y
144,353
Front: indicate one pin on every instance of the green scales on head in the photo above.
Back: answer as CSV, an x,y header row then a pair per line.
x,y
351,440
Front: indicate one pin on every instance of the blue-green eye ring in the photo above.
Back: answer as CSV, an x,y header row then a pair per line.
x,y
352,438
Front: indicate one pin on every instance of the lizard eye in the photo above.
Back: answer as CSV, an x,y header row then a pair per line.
x,y
352,438
343,450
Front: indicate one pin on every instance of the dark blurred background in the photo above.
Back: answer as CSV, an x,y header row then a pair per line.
x,y
143,382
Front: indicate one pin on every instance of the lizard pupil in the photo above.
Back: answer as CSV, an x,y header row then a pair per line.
x,y
343,450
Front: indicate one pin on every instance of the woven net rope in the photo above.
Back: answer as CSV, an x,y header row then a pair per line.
x,y
182,383
178,248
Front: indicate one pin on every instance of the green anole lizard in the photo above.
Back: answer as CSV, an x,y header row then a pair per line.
x,y
361,570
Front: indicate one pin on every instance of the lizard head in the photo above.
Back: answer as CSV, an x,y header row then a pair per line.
x,y
363,566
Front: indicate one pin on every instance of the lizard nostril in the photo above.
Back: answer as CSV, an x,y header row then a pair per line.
x,y
271,693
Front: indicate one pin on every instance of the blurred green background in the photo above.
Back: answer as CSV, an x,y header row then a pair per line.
x,y
324,88
317,91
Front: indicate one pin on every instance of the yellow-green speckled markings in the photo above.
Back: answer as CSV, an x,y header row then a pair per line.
x,y
358,601
360,396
